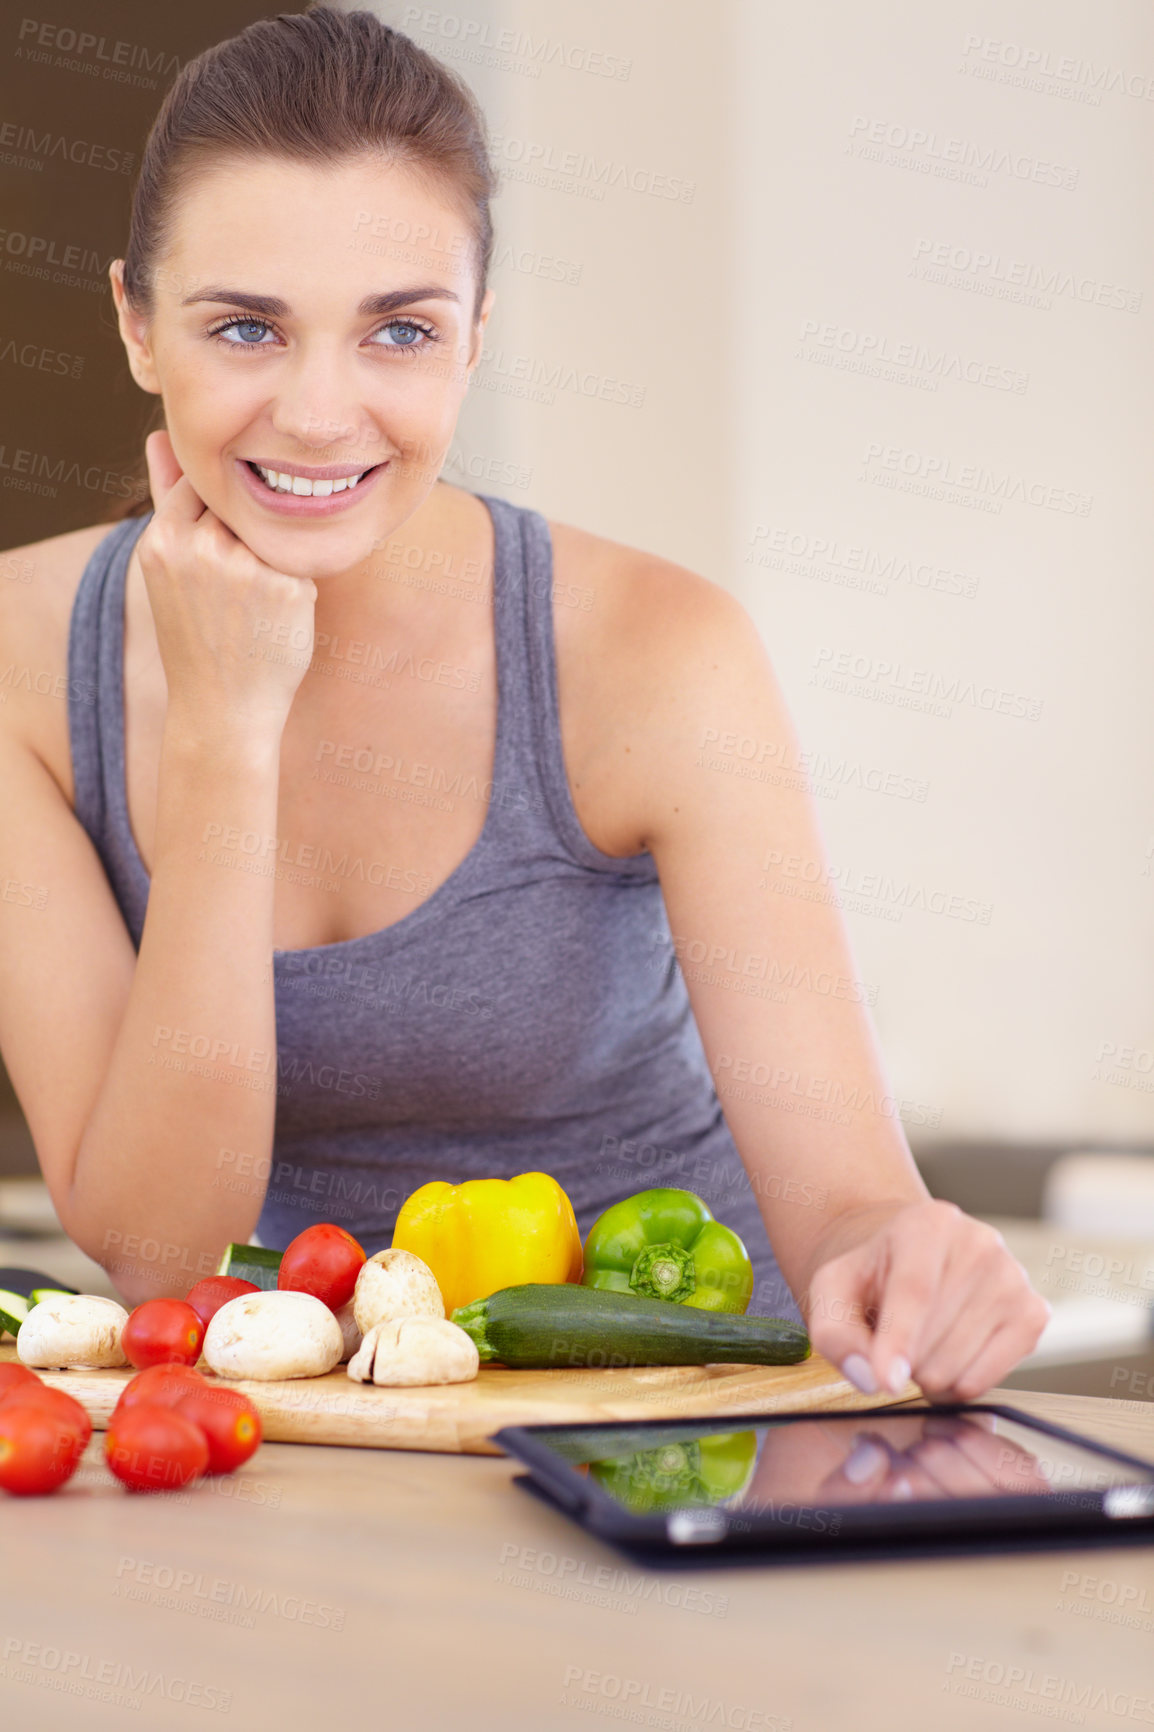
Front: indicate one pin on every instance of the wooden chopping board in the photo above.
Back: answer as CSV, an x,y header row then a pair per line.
x,y
460,1418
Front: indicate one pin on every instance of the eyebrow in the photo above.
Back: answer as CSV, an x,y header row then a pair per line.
x,y
372,306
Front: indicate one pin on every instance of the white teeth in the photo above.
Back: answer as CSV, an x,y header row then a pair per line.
x,y
282,482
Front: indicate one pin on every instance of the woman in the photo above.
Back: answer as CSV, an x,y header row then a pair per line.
x,y
381,812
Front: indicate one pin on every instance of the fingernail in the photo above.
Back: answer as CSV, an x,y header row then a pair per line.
x,y
858,1370
899,1375
864,1461
902,1490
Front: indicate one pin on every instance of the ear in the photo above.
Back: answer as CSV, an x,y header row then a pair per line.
x,y
133,333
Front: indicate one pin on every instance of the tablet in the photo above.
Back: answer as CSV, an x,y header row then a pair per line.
x,y
952,1477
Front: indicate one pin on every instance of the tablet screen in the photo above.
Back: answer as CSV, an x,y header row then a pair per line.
x,y
835,1460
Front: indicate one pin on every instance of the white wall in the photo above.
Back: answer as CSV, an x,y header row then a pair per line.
x,y
809,373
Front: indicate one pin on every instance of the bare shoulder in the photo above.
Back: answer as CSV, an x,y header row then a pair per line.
x,y
644,613
36,580
38,584
649,654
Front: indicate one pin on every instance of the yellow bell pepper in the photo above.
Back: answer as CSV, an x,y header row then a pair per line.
x,y
491,1233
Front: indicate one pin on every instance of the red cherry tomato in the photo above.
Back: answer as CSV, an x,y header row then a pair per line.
x,y
154,1448
162,1332
13,1374
323,1260
160,1386
229,1421
207,1297
65,1407
38,1450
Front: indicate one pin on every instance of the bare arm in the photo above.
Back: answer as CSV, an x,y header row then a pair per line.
x,y
886,1277
129,1128
143,1077
191,1076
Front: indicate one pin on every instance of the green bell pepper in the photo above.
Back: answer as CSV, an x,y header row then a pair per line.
x,y
705,1471
665,1244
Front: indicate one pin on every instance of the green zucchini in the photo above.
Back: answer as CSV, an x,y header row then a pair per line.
x,y
13,1310
255,1263
540,1325
39,1293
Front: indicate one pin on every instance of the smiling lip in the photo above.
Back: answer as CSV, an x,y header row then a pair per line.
x,y
301,505
327,472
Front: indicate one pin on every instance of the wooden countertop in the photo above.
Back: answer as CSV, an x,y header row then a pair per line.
x,y
430,1591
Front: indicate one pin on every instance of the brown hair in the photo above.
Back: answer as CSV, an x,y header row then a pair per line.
x,y
311,87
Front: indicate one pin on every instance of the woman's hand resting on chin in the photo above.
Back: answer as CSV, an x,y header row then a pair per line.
x,y
235,636
928,1293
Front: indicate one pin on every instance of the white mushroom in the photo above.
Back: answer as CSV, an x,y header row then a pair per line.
x,y
415,1351
395,1284
271,1335
73,1329
350,1334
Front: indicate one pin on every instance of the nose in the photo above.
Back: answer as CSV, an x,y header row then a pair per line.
x,y
317,406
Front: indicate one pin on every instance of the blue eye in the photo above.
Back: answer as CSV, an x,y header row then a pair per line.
x,y
244,328
250,333
414,330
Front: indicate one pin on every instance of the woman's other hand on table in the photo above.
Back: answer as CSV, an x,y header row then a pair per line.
x,y
930,1294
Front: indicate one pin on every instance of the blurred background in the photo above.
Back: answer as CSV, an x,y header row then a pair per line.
x,y
878,283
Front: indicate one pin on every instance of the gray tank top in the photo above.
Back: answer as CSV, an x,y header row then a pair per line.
x,y
529,1015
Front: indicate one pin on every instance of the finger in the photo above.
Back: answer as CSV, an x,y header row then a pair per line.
x,y
1003,1462
977,1268
972,1330
965,1317
951,1469
967,1336
902,1480
838,1314
1006,1465
163,469
169,486
858,1478
907,1480
910,1296
1005,1347
987,1451
1018,1470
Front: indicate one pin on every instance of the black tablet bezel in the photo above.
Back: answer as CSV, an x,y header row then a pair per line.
x,y
1024,1520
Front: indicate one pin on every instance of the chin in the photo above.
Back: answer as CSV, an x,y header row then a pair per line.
x,y
316,550
300,552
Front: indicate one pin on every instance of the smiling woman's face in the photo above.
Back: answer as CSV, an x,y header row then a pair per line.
x,y
298,327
